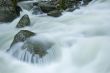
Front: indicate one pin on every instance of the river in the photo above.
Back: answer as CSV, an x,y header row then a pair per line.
x,y
81,40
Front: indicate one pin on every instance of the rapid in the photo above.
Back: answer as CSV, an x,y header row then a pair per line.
x,y
81,40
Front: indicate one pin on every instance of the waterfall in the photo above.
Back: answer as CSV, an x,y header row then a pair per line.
x,y
81,42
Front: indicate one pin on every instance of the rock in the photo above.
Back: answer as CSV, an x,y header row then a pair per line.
x,y
69,5
8,10
46,6
55,13
21,36
37,47
24,21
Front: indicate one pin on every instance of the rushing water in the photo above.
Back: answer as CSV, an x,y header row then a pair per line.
x,y
82,39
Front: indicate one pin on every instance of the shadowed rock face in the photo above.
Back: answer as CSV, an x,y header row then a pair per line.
x,y
24,21
22,36
8,10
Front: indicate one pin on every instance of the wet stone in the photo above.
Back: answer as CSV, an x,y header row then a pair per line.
x,y
24,21
21,36
37,47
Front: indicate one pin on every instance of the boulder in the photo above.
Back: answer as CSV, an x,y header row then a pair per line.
x,y
37,46
8,10
21,36
33,50
55,13
24,21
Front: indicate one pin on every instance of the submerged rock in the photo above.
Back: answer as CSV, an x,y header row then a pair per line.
x,y
55,13
37,47
21,36
8,10
33,50
24,21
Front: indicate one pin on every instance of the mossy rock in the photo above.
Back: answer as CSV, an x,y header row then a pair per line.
x,y
21,36
24,21
37,47
8,10
54,13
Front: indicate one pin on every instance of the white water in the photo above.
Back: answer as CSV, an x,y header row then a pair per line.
x,y
82,39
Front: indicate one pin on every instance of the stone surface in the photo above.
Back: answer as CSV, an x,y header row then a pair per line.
x,y
21,36
55,13
8,10
24,21
37,47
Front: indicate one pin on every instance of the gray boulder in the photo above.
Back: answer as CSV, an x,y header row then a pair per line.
x,y
24,21
21,36
34,50
8,10
55,13
37,47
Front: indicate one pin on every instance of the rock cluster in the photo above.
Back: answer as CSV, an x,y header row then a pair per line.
x,y
55,7
8,10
